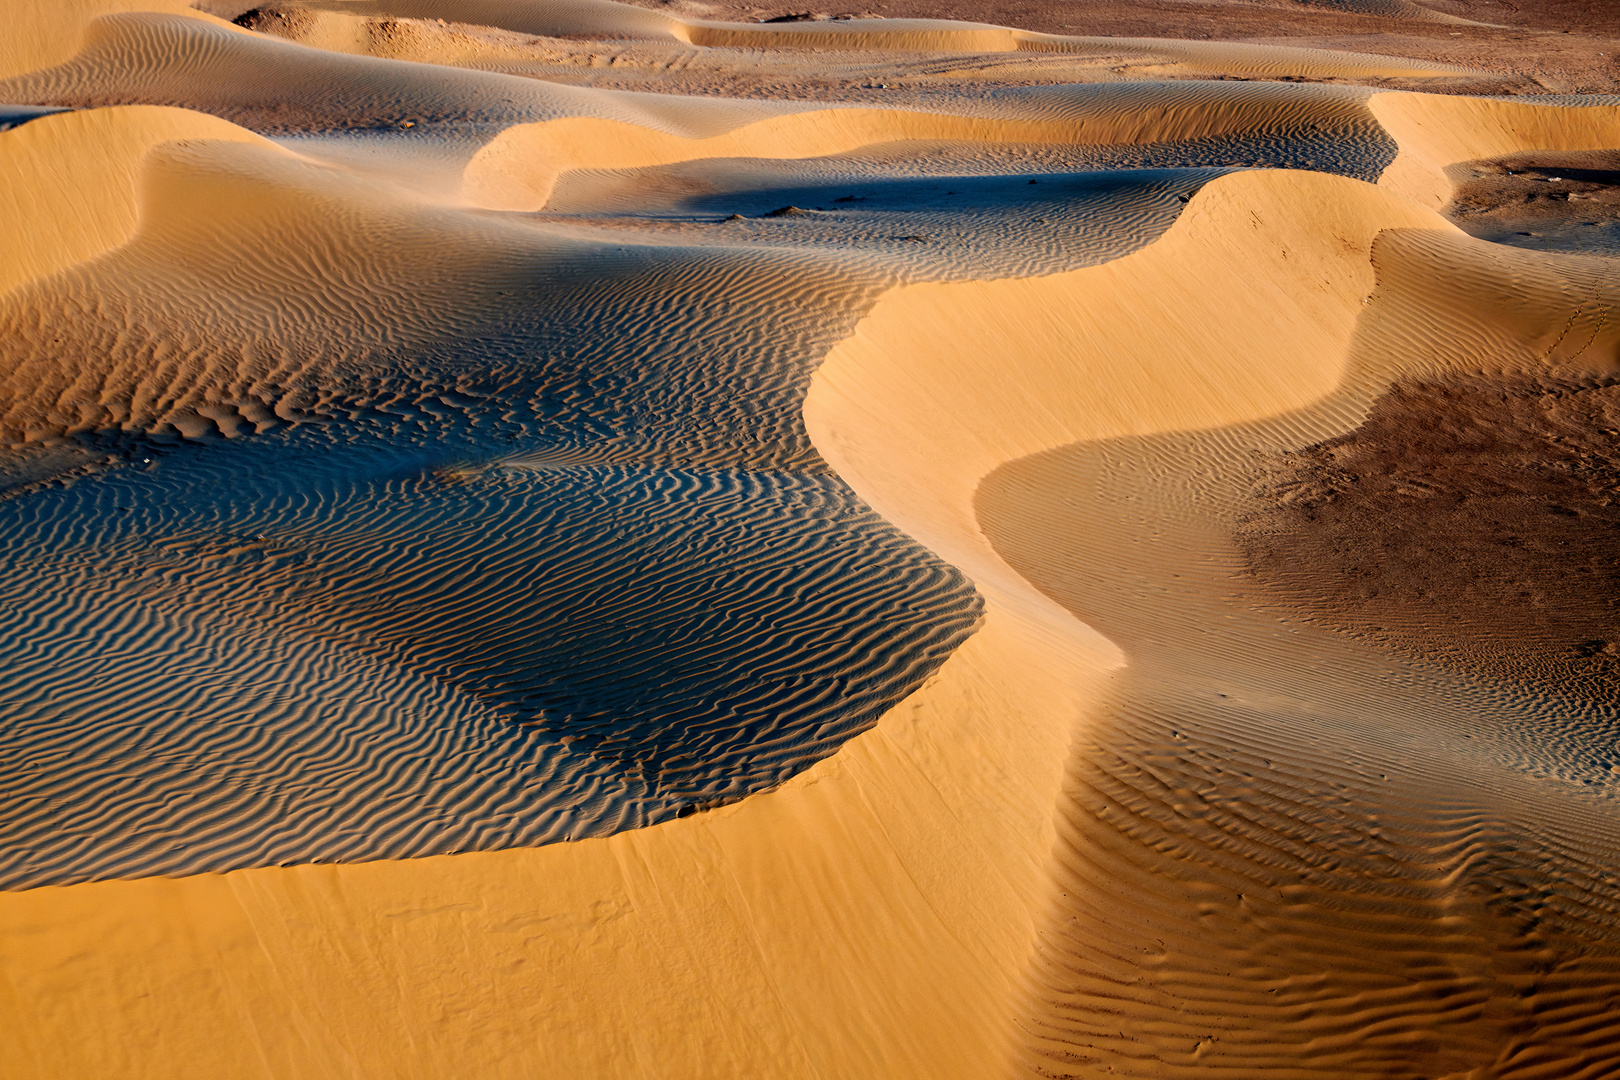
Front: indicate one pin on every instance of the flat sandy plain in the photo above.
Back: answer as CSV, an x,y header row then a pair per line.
x,y
548,538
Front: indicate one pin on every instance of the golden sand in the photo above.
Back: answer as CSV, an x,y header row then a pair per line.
x,y
1152,817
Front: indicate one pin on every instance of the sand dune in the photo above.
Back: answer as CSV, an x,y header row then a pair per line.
x,y
171,59
610,20
507,576
43,35
1436,133
1399,946
517,169
1133,843
62,213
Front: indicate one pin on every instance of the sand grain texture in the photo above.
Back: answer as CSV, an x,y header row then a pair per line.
x,y
570,539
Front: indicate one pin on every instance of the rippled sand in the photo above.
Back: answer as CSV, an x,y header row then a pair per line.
x,y
567,539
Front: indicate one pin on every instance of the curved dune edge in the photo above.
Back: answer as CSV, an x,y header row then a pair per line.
x,y
43,35
166,331
58,211
875,915
1201,927
1110,995
1437,131
518,169
943,382
867,919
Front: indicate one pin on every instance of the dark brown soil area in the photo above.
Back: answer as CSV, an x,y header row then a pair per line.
x,y
1473,522
281,21
1530,46
1543,200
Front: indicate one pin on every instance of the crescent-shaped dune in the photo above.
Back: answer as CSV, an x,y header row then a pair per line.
x,y
63,213
1436,133
477,605
519,167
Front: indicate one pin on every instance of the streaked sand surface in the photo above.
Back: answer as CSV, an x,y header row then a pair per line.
x,y
741,572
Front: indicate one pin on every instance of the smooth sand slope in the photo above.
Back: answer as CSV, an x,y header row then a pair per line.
x,y
61,212
573,582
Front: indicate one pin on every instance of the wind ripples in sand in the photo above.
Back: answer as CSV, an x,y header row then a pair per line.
x,y
382,659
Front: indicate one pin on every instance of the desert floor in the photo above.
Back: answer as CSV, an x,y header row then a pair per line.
x,y
552,538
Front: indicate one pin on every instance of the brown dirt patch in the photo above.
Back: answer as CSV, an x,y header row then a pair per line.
x,y
1474,522
1545,200
1531,46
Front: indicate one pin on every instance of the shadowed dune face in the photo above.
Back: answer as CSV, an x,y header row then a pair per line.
x,y
884,548
531,517
1277,860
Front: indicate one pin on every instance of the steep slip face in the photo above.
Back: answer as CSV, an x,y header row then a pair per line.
x,y
1436,133
45,35
61,213
943,383
1252,798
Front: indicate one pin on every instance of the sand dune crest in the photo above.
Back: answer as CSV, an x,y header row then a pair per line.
x,y
62,212
1436,132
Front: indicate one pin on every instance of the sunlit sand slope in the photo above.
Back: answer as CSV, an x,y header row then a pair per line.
x,y
1437,132
61,211
1376,916
43,35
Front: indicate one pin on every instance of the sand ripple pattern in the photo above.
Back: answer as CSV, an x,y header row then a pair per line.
x,y
379,658
537,548
1286,853
571,569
